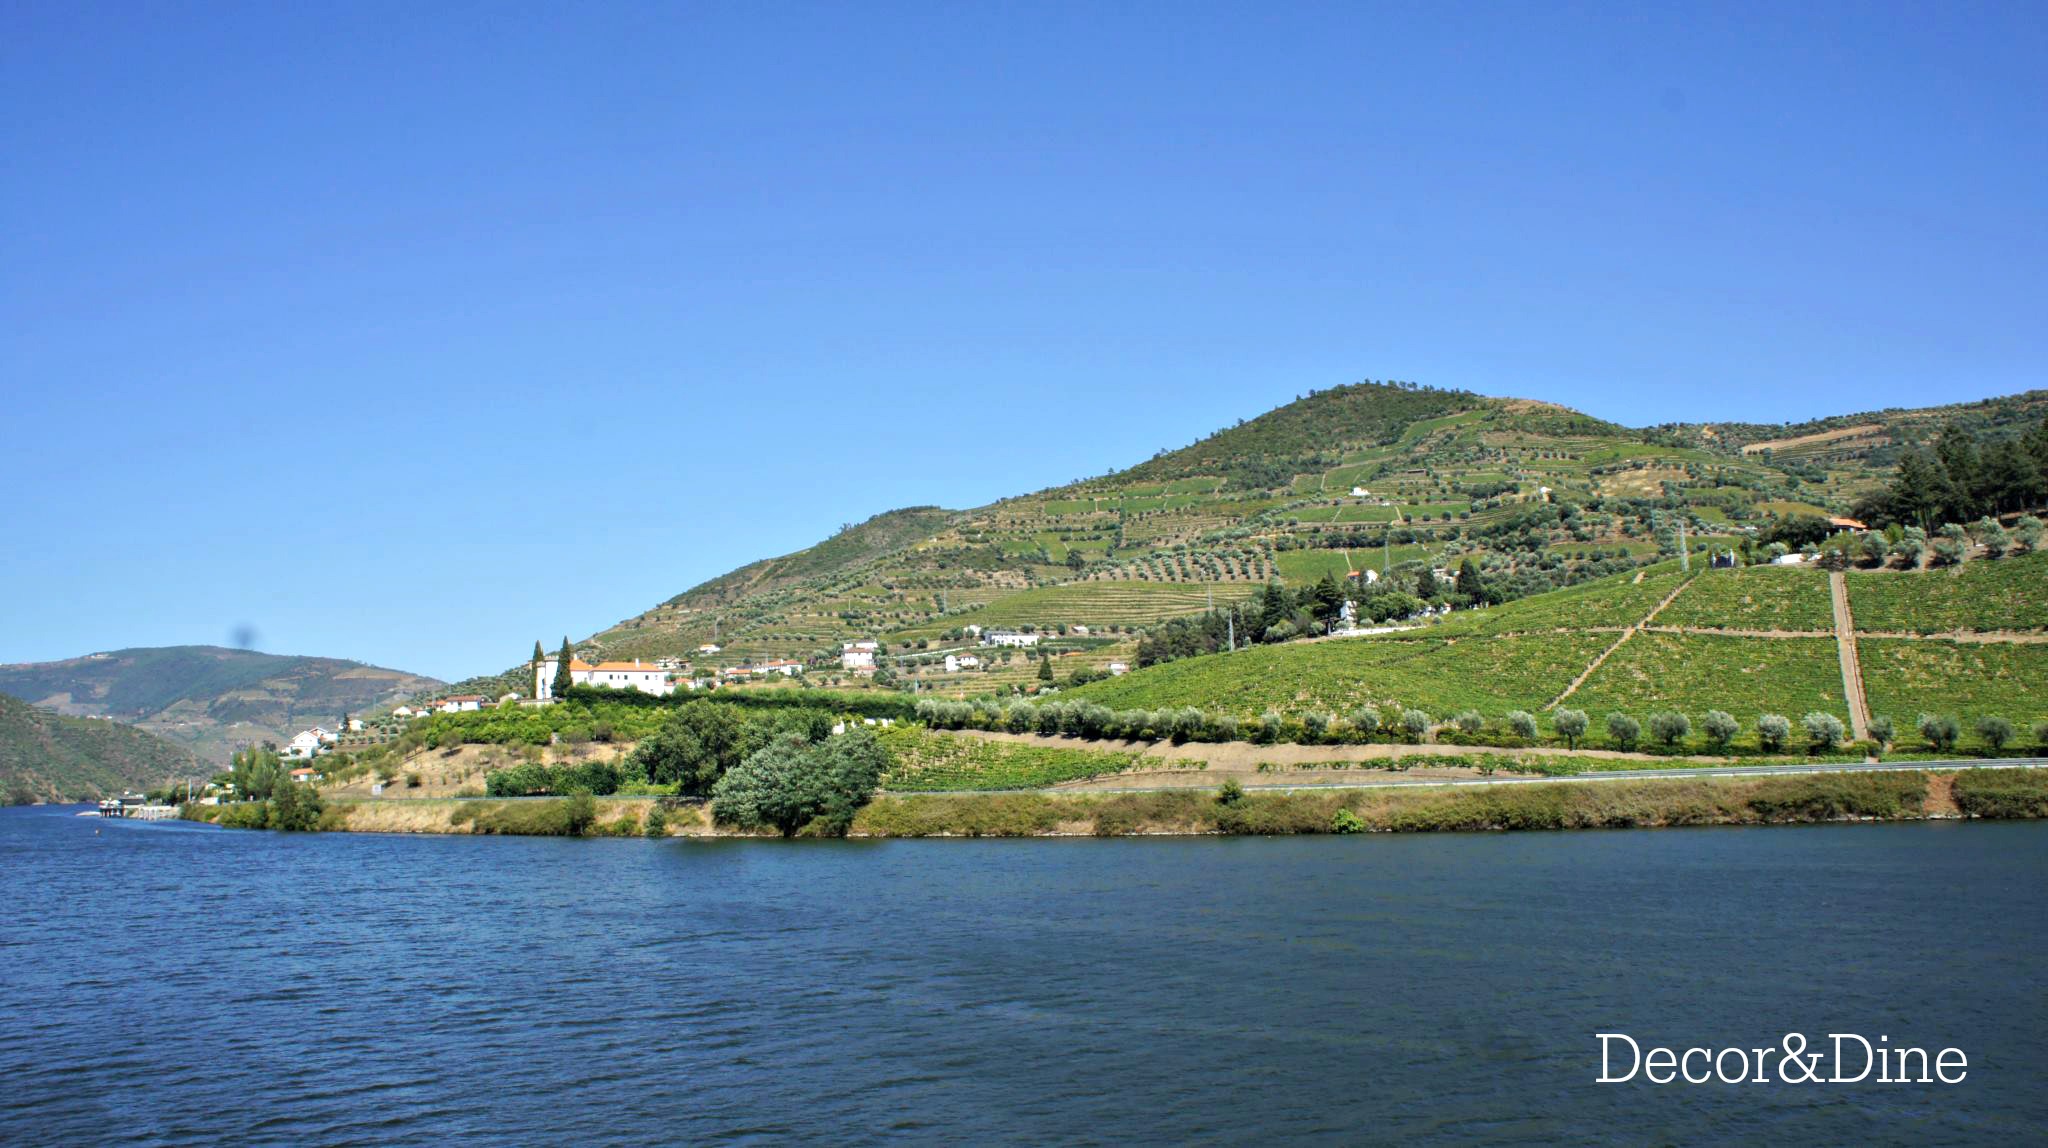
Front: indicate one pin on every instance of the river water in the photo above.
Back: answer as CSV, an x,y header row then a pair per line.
x,y
179,983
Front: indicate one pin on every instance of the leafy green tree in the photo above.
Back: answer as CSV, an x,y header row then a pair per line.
x,y
1881,730
1045,667
1570,725
1469,721
1230,792
295,808
791,784
1721,728
1366,720
1521,723
2027,533
1470,584
694,747
1415,722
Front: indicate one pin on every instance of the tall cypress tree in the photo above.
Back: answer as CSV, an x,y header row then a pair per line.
x,y
562,678
1469,582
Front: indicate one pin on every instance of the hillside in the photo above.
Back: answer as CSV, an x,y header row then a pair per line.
x,y
208,698
44,757
1366,476
1969,641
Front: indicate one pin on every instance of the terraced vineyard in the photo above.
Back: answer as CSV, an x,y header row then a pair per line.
x,y
1905,678
2003,595
1694,673
1754,598
933,763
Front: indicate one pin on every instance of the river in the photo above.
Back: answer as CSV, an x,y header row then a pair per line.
x,y
183,984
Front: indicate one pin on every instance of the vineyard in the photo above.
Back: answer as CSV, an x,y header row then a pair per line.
x,y
927,762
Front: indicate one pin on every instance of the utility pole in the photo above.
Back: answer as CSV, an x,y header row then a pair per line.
x,y
1233,629
1684,553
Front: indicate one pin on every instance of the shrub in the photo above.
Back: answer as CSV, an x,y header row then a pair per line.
x,y
1521,723
1942,733
1721,728
1346,821
1366,720
1996,732
1269,727
1823,730
1670,728
1623,730
791,783
2041,735
1230,792
1224,727
2002,792
295,808
1772,731
1415,722
1570,725
1469,721
1881,730
656,824
1314,727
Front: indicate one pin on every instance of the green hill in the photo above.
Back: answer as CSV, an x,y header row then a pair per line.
x,y
45,757
208,698
1364,476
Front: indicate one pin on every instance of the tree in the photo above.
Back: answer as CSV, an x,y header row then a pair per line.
x,y
1074,560
1415,722
1469,721
1366,720
791,784
1991,536
1570,725
1425,584
1941,733
1823,730
2027,533
1328,596
1470,584
1720,727
295,808
1670,727
1772,730
1045,667
564,678
1623,730
1881,730
1996,732
1521,723
1230,792
693,748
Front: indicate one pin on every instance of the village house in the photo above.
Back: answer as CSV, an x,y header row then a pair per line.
x,y
1118,669
859,656
406,712
306,775
308,743
1014,638
957,662
709,648
1081,630
461,704
783,666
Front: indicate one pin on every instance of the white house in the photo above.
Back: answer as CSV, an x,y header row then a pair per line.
x,y
1081,630
1015,638
461,704
1360,492
709,648
634,675
355,725
405,712
308,743
971,631
859,656
957,662
783,666
1118,669
1371,576
305,775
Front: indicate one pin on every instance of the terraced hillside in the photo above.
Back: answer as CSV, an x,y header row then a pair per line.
x,y
45,757
207,698
1364,477
1970,642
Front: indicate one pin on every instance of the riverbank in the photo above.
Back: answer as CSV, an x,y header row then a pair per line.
x,y
1909,795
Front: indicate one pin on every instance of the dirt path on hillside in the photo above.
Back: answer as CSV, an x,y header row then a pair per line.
x,y
1626,634
1852,665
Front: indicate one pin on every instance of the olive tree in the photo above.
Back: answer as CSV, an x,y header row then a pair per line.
x,y
1823,730
1521,723
1415,722
1996,732
1941,733
1366,720
1670,727
1570,725
1772,730
1623,730
1721,728
1470,721
1881,730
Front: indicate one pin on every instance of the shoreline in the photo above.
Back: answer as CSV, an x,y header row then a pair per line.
x,y
1799,799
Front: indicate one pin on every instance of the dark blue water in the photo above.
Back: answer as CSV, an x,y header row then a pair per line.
x,y
184,984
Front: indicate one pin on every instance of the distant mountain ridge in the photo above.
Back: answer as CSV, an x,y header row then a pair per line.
x,y
46,757
210,698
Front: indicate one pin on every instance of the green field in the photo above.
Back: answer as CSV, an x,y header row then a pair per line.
x,y
928,762
2006,594
1492,675
1617,601
1694,673
1754,598
1904,678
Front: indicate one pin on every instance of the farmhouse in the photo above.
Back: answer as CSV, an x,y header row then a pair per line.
x,y
305,775
461,703
957,662
308,743
1118,669
633,675
859,656
1015,638
783,666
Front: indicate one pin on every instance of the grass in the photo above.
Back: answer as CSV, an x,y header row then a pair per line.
x,y
1754,598
1694,673
936,762
1904,678
2005,594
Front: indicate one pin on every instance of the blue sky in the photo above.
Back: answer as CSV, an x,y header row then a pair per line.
x,y
412,333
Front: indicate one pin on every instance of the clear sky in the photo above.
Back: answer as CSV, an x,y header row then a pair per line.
x,y
416,332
